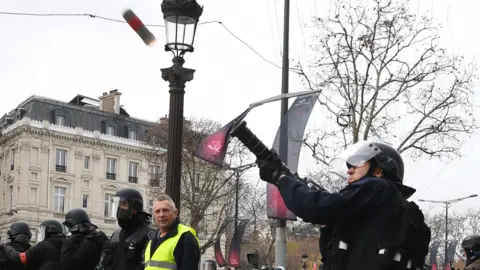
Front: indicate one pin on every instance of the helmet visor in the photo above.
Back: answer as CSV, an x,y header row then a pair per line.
x,y
354,156
40,234
121,208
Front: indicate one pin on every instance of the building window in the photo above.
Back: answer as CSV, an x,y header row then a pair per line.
x,y
85,201
110,130
132,134
10,197
61,120
59,199
108,205
111,169
12,159
154,175
34,154
86,162
61,161
150,207
133,172
33,195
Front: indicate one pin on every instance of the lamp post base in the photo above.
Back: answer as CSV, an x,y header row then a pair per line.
x,y
177,76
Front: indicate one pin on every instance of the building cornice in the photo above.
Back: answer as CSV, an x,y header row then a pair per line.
x,y
45,128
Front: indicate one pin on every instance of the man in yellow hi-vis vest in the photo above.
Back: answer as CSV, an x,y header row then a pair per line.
x,y
173,245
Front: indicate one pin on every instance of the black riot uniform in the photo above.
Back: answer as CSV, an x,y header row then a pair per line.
x,y
471,247
124,250
82,250
19,235
46,254
372,225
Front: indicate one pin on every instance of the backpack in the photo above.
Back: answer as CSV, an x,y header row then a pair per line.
x,y
414,235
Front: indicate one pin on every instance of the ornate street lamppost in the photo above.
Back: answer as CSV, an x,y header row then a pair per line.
x,y
181,18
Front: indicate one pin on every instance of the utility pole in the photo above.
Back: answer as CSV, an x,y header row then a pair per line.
x,y
447,206
281,229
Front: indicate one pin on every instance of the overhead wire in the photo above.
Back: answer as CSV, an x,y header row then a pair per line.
x,y
278,26
432,180
272,30
94,16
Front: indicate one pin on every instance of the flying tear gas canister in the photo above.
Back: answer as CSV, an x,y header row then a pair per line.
x,y
137,25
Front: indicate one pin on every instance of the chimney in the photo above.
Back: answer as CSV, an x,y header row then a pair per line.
x,y
110,102
164,120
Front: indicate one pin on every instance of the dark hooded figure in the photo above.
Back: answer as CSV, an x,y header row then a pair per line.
x,y
19,235
471,249
46,254
82,250
124,250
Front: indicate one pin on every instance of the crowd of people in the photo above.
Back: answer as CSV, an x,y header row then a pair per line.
x,y
134,246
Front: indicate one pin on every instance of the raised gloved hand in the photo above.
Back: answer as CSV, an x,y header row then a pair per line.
x,y
271,170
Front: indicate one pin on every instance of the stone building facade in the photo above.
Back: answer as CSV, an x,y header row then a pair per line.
x,y
55,156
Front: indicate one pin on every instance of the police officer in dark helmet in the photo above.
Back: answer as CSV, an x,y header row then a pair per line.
x,y
471,248
371,224
82,250
46,254
19,235
125,248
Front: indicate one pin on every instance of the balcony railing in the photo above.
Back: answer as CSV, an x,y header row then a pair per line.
x,y
60,168
133,179
155,181
111,176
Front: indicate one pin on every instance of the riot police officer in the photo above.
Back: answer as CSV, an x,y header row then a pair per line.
x,y
19,235
125,248
82,250
46,254
471,247
373,225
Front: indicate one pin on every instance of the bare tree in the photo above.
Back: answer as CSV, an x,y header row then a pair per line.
x,y
383,68
207,190
260,234
459,226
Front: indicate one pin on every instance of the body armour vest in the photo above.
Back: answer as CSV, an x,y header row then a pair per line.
x,y
127,249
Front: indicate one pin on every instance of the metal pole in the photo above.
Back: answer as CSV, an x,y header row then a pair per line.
x,y
236,200
280,239
446,230
177,76
447,205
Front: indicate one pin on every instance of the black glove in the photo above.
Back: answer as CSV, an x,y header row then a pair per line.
x,y
270,171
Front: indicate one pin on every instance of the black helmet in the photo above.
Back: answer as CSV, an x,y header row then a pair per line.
x,y
129,202
380,154
471,245
77,221
18,228
390,161
52,228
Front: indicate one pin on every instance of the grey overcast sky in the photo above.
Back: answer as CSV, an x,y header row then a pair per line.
x,y
61,57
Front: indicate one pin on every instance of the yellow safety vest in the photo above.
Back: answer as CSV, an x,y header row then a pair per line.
x,y
163,257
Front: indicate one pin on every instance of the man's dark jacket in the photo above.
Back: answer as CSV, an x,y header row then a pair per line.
x,y
83,252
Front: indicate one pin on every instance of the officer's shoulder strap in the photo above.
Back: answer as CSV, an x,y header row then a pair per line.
x,y
152,234
115,236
